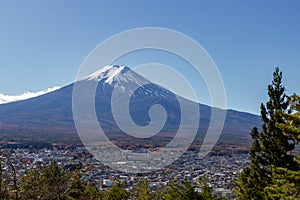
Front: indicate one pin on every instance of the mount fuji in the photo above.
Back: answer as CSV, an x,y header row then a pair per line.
x,y
49,117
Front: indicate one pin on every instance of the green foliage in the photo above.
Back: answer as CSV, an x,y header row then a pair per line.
x,y
31,187
186,191
206,192
292,119
285,181
77,187
93,192
49,182
3,183
142,191
53,182
9,180
286,184
116,192
270,148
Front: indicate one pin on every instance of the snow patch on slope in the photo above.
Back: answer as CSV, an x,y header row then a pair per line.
x,y
112,73
107,73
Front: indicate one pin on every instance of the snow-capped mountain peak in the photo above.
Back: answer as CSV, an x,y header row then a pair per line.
x,y
108,73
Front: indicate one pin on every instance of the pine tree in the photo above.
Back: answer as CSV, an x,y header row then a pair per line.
x,y
187,191
10,184
117,192
270,147
31,185
292,119
55,181
142,191
77,187
286,182
3,182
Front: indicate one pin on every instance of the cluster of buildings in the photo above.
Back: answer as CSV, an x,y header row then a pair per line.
x,y
220,171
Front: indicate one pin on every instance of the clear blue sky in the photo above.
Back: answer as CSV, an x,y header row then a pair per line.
x,y
43,43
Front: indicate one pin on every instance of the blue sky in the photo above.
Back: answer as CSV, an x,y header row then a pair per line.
x,y
43,43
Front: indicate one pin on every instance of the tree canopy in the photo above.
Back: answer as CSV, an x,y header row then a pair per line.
x,y
270,154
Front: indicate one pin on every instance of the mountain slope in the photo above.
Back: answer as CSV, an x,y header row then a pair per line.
x,y
50,115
